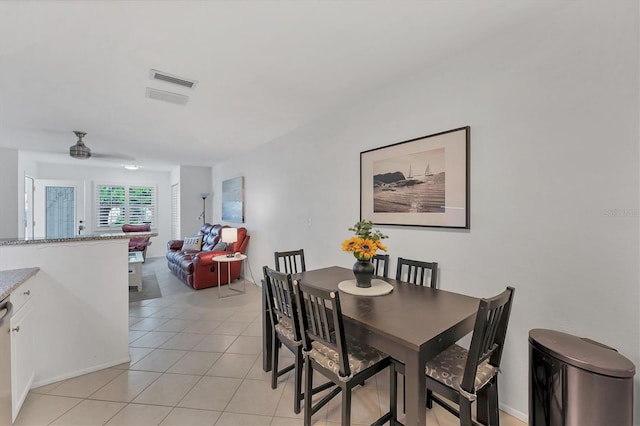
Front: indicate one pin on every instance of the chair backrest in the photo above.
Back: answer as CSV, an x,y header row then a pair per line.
x,y
140,241
321,320
381,265
281,301
291,262
489,333
416,272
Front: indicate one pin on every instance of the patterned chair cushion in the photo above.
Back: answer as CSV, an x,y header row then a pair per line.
x,y
360,356
448,368
285,330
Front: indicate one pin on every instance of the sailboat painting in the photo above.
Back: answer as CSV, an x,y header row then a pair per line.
x,y
395,191
418,182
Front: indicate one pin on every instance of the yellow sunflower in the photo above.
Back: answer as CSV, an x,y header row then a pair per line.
x,y
351,244
381,246
367,249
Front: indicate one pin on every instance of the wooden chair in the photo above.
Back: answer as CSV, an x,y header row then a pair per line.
x,y
381,265
291,261
286,330
459,375
416,272
341,358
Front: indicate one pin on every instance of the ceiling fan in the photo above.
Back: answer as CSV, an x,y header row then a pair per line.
x,y
81,151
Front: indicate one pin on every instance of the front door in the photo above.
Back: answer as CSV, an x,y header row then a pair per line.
x,y
58,208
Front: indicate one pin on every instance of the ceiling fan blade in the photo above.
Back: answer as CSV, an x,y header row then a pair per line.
x,y
113,156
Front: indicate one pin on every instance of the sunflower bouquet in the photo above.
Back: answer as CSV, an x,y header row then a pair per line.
x,y
366,243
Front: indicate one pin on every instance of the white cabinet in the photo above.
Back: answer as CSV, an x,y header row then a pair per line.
x,y
22,326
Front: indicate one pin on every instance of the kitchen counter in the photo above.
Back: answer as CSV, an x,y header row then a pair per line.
x,y
9,280
77,238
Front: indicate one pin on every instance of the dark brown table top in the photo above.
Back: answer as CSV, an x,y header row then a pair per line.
x,y
410,315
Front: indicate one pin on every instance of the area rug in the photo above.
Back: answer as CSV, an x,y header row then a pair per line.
x,y
150,288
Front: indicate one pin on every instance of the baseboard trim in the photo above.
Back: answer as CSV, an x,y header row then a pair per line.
x,y
515,413
77,373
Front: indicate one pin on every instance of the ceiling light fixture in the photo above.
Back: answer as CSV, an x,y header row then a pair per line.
x,y
131,166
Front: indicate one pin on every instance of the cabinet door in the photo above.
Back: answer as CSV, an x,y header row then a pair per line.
x,y
22,356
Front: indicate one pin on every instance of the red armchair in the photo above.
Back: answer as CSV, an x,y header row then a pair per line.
x,y
138,244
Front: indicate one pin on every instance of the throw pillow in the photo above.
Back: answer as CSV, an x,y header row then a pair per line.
x,y
192,243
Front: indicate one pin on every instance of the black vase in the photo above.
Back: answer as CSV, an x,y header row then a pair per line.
x,y
363,271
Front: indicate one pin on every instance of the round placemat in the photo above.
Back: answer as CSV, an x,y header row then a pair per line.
x,y
378,288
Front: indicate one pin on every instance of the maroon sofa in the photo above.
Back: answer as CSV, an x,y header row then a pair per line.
x,y
197,268
138,244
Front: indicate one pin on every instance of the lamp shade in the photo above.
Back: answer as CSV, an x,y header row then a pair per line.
x,y
229,235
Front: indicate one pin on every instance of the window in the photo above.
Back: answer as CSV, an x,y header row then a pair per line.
x,y
175,211
119,204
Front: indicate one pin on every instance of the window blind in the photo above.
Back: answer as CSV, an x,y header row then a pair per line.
x,y
116,205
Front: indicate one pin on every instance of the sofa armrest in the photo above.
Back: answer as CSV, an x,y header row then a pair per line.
x,y
174,245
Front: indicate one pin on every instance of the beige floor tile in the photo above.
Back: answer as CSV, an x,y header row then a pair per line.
x,y
174,325
246,345
191,417
142,311
196,363
159,360
211,393
133,320
219,314
126,386
185,341
232,365
135,335
247,316
201,326
148,324
233,419
215,343
232,327
43,409
365,406
255,397
90,413
83,386
169,389
139,415
253,329
256,372
169,312
152,339
509,420
46,388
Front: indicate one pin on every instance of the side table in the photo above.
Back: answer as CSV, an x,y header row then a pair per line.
x,y
229,260
135,269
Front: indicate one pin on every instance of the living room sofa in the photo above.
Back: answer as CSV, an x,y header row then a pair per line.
x,y
196,267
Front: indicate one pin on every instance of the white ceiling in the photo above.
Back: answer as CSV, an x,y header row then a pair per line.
x,y
264,68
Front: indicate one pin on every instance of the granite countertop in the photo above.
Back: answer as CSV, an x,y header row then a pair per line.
x,y
11,279
89,237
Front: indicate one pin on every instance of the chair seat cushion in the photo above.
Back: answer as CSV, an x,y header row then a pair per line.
x,y
360,356
285,330
448,368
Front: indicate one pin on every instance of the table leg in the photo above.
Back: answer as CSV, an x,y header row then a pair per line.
x,y
415,388
219,284
266,332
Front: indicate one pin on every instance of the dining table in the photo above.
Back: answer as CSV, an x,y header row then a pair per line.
x,y
412,324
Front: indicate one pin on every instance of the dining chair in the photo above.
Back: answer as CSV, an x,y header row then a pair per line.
x,y
381,265
416,272
459,375
328,350
290,262
286,330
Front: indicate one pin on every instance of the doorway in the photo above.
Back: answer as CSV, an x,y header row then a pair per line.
x,y
58,208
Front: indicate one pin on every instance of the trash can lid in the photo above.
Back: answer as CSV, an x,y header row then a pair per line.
x,y
582,353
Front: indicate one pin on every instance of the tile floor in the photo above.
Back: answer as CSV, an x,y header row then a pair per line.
x,y
195,360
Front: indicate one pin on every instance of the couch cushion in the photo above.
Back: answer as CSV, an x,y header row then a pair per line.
x,y
210,239
182,260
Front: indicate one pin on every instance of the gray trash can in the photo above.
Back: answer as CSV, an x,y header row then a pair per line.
x,y
576,381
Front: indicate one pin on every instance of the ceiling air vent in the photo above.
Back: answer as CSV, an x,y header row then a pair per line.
x,y
162,95
170,78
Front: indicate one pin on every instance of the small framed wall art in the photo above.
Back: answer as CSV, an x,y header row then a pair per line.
x,y
233,200
419,182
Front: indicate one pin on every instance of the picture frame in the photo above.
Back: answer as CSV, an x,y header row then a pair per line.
x,y
233,200
418,182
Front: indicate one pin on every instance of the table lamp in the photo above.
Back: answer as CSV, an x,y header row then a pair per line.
x,y
229,236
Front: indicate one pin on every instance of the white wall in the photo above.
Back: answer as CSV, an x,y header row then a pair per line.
x,y
9,193
194,181
91,174
553,110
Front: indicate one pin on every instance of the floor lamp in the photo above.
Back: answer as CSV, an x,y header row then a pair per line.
x,y
204,196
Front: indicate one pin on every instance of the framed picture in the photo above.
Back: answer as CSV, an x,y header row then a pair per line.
x,y
233,200
419,182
